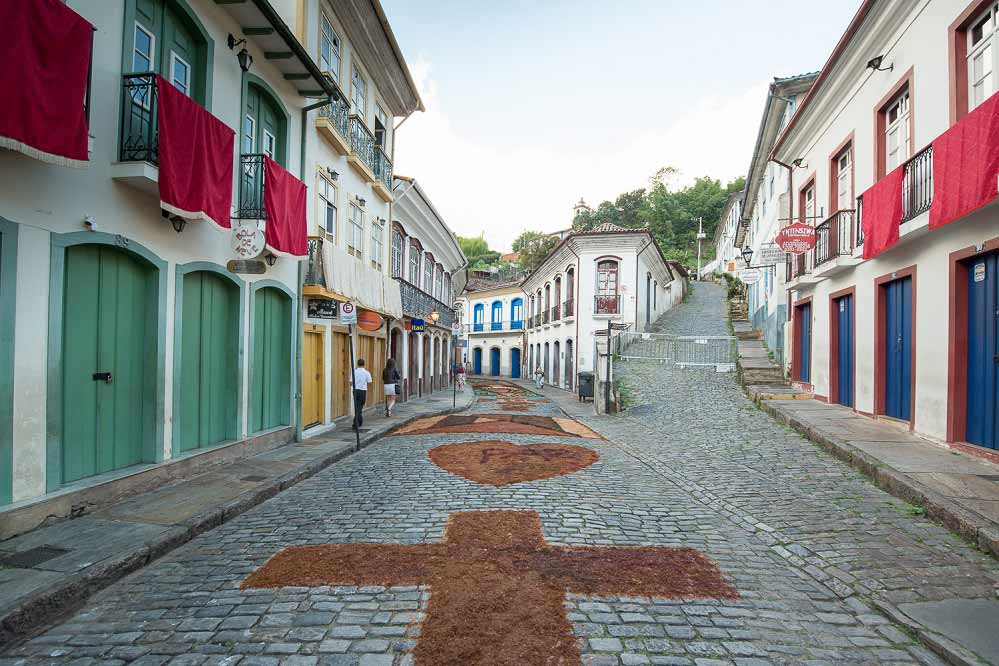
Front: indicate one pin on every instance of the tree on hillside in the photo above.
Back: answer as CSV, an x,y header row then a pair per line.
x,y
477,251
534,253
628,210
526,238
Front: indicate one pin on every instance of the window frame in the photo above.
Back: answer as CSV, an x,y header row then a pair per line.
x,y
272,140
174,59
152,48
377,246
958,42
352,229
397,233
904,85
361,109
324,20
324,183
253,133
415,261
846,147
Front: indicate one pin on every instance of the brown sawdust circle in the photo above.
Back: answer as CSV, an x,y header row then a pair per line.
x,y
497,463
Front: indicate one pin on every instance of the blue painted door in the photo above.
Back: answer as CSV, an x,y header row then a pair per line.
x,y
494,362
515,363
844,355
477,361
983,352
898,348
805,342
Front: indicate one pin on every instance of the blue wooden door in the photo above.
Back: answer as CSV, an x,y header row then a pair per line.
x,y
477,361
805,342
515,363
494,362
844,354
898,348
983,352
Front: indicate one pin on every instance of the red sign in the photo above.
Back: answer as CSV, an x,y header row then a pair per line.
x,y
797,238
369,321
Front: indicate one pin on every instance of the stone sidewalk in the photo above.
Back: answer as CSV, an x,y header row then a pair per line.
x,y
53,570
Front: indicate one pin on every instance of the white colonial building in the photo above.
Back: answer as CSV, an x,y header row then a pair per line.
x,y
893,312
609,274
493,327
726,253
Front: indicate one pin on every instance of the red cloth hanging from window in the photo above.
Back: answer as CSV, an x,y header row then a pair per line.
x,y
966,164
882,213
44,66
196,156
286,232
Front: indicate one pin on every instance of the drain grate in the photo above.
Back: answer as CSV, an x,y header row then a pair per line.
x,y
254,477
32,557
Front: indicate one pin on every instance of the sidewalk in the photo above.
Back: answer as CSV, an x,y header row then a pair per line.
x,y
51,570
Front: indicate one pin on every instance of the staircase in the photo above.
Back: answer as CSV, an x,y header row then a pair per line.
x,y
762,378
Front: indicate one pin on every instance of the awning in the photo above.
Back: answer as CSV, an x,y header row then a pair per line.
x,y
262,25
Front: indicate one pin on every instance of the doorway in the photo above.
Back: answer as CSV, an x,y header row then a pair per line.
x,y
313,375
515,363
843,350
897,348
982,414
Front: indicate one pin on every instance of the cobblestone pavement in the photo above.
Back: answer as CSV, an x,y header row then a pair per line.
x,y
795,531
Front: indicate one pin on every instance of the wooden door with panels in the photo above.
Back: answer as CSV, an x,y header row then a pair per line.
x,y
339,375
313,375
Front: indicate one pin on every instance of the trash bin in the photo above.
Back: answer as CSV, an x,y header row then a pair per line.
x,y
585,385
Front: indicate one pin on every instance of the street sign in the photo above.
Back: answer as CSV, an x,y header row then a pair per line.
x,y
797,238
770,254
417,325
456,329
750,276
323,308
246,266
348,313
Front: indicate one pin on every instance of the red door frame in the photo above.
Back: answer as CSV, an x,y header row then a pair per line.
x,y
957,350
795,349
834,344
880,320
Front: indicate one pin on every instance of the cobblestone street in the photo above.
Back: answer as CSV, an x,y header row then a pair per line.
x,y
808,544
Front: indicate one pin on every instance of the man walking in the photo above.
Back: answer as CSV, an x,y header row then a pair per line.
x,y
361,380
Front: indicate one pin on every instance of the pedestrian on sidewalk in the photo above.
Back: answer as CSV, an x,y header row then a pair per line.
x,y
361,380
391,379
539,377
459,374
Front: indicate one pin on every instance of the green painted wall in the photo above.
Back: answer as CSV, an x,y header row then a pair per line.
x,y
270,360
8,279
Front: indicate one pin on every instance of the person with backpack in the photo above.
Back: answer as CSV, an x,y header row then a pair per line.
x,y
539,377
390,379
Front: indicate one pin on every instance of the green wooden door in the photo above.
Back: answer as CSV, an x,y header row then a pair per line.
x,y
209,361
270,393
108,307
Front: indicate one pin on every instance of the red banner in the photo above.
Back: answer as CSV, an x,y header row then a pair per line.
x,y
882,213
966,164
797,238
44,65
287,231
196,158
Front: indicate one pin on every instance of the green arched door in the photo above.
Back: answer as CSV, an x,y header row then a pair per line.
x,y
209,361
270,390
108,401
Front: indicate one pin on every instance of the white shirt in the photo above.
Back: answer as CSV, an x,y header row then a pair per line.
x,y
361,379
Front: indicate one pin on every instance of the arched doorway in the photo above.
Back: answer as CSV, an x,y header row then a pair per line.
x,y
545,362
530,359
556,380
477,361
412,380
427,384
515,363
270,381
570,378
494,361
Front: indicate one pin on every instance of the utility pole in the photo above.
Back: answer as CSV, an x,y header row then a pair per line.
x,y
700,236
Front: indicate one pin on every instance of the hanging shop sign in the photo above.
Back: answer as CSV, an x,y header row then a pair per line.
x,y
348,313
369,321
417,325
323,308
770,255
797,238
750,276
246,266
247,241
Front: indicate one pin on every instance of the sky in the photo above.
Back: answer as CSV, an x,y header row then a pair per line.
x,y
534,104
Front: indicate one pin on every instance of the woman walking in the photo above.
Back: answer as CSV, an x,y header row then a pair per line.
x,y
390,378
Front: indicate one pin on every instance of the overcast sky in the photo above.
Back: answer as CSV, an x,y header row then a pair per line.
x,y
532,104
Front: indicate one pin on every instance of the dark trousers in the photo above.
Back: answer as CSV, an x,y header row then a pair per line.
x,y
360,397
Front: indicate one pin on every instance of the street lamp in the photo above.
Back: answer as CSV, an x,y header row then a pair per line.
x,y
434,316
747,254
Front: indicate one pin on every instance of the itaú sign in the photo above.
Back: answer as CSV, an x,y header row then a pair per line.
x,y
796,238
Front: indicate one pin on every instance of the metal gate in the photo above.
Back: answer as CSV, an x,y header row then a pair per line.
x,y
718,351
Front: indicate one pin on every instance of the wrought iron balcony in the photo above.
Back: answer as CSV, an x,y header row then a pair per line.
x,y
834,237
315,275
567,308
609,304
479,327
546,316
251,187
859,234
495,326
336,113
383,168
796,265
139,136
516,324
418,303
362,141
917,184
556,313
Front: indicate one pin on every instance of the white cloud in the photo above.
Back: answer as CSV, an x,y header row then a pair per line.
x,y
481,189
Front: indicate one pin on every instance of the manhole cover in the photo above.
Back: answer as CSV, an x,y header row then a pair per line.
x,y
254,477
32,557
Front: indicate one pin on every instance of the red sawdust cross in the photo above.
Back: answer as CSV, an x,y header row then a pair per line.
x,y
497,588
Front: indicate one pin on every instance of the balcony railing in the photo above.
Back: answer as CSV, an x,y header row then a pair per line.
x,y
556,313
476,328
917,185
251,187
337,112
139,136
567,308
480,327
516,324
362,141
546,316
496,326
797,265
607,304
834,237
383,167
314,274
859,234
418,303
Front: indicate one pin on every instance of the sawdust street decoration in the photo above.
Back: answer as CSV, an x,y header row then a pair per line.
x,y
497,589
507,424
498,463
495,388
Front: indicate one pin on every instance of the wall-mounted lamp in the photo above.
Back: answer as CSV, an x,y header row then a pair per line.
x,y
178,222
434,316
360,201
334,175
270,258
800,163
875,64
244,57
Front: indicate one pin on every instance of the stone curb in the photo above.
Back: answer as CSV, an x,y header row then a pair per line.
x,y
43,607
